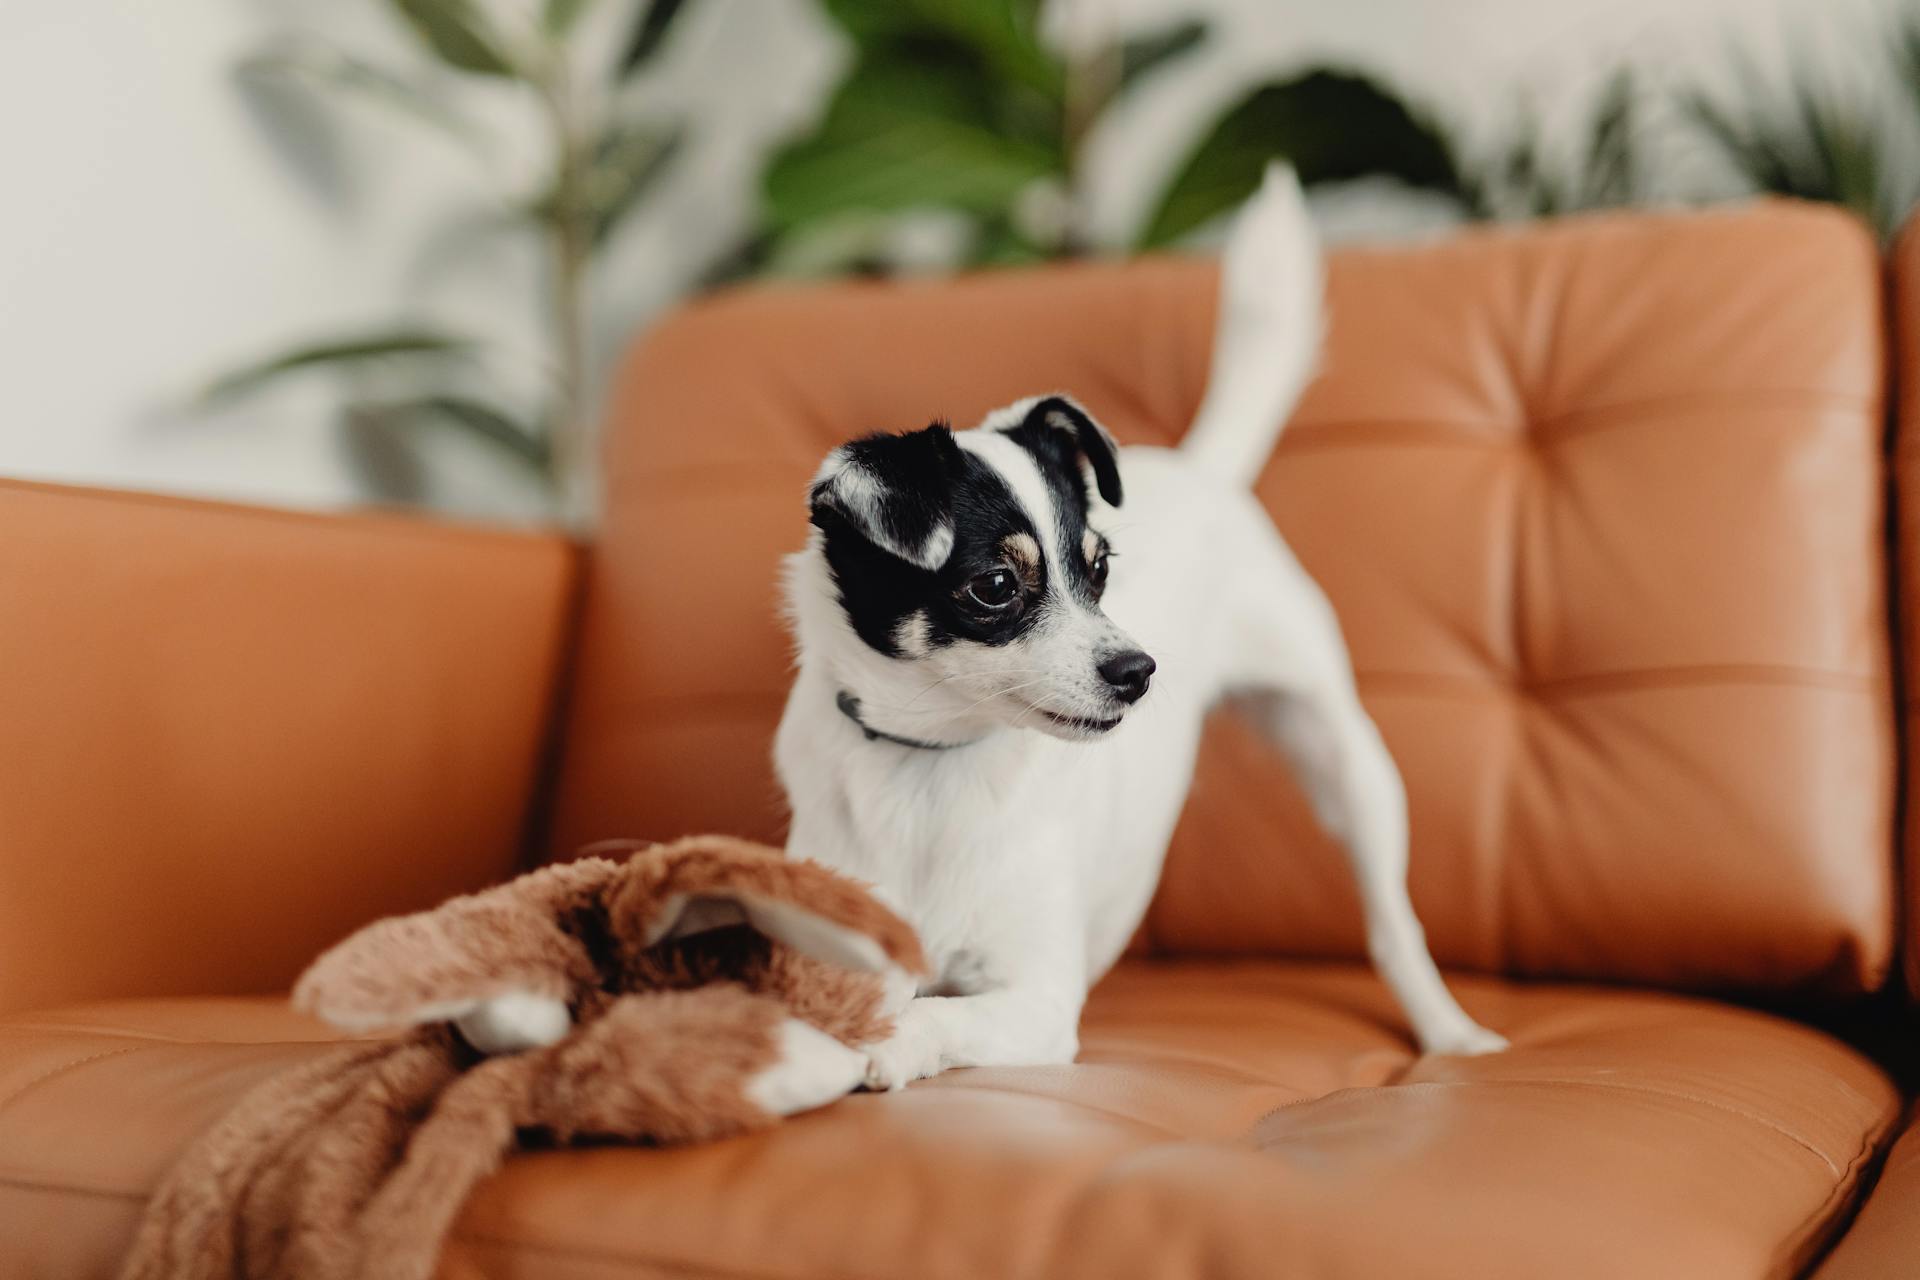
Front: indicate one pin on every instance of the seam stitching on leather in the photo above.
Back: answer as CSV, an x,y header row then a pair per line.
x,y
615,1257
1305,437
1695,1099
1675,676
1614,1085
1793,1254
25,1183
61,1070
406,528
31,1030
1533,431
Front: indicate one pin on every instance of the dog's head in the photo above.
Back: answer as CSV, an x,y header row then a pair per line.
x,y
976,560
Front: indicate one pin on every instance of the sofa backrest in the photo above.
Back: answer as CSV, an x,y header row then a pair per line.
x,y
229,736
1599,503
1906,484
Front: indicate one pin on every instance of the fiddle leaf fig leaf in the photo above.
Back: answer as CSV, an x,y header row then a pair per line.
x,y
1143,56
903,134
559,16
1005,33
1333,125
457,33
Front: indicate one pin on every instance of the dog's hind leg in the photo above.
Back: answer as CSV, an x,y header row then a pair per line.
x,y
1289,662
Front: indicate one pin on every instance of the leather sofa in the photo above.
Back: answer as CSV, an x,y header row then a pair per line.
x,y
1605,508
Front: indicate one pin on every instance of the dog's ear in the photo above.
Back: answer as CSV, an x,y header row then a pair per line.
x,y
1090,440
896,491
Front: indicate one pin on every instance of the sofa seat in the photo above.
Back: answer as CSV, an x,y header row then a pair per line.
x,y
1226,1119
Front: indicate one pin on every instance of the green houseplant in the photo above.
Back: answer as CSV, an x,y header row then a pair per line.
x,y
601,164
961,106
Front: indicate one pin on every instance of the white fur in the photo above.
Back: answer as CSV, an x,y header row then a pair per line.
x,y
813,1069
510,1023
1027,859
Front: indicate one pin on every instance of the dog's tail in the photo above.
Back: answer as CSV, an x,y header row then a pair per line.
x,y
1267,339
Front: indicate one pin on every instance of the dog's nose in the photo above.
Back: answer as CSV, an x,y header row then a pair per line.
x,y
1127,674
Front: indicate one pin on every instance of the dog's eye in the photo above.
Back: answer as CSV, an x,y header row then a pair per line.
x,y
995,589
1097,573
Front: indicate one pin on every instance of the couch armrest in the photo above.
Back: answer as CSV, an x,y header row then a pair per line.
x,y
229,735
1884,1239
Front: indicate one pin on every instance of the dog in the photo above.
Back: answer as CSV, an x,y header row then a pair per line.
x,y
975,730
971,732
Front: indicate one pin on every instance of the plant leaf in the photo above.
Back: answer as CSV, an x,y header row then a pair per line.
x,y
649,33
455,31
381,454
1811,145
629,162
853,242
626,163
901,134
559,16
1005,33
1144,55
1611,175
331,69
1333,125
348,352
484,422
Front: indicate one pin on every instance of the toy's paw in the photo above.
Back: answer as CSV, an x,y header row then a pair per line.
x,y
1468,1040
812,1070
513,1022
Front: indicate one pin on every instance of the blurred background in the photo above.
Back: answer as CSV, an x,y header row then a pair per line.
x,y
323,252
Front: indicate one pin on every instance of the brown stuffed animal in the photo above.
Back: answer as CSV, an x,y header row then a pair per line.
x,y
711,986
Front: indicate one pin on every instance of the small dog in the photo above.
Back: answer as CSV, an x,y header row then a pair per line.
x,y
971,728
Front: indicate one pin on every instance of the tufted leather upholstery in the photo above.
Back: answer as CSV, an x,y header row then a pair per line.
x,y
1225,1122
1599,505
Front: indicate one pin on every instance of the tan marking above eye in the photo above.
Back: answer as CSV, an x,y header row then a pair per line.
x,y
1090,545
1024,551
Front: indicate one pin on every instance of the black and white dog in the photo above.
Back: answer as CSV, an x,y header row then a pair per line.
x,y
1002,680
978,729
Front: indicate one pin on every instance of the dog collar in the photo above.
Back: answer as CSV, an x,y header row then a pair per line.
x,y
850,708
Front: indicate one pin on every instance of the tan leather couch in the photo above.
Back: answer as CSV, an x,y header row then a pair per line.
x,y
1604,507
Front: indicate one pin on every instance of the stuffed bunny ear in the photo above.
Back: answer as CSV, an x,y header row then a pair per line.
x,y
441,965
815,935
712,882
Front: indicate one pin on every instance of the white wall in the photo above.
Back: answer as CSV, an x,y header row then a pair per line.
x,y
154,231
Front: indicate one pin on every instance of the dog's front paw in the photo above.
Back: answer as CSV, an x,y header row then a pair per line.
x,y
1467,1040
898,1061
812,1070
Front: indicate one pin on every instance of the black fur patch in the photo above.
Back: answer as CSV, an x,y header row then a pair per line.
x,y
911,474
925,480
878,590
1057,452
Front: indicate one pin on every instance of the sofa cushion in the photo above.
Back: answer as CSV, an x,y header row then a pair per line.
x,y
1885,1239
1226,1119
1599,503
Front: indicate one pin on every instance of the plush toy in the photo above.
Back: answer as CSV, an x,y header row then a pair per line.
x,y
692,991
